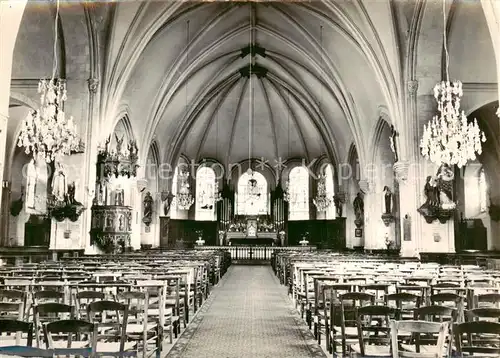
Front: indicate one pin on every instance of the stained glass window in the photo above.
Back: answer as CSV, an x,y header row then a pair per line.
x,y
205,194
298,187
330,212
483,191
252,197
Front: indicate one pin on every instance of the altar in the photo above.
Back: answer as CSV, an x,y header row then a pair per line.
x,y
252,232
241,238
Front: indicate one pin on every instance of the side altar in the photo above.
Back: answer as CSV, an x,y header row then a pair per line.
x,y
252,230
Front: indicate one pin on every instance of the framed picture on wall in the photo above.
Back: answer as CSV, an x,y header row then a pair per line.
x,y
358,232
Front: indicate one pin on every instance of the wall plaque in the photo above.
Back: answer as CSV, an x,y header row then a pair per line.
x,y
407,228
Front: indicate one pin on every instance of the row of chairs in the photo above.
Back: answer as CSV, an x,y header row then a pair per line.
x,y
145,295
323,285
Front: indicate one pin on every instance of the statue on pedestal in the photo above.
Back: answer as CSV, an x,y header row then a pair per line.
x,y
32,176
359,210
387,200
59,183
148,209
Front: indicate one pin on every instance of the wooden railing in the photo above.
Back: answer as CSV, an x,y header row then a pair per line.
x,y
257,253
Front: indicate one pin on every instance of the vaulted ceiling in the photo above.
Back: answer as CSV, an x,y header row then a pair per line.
x,y
324,70
316,84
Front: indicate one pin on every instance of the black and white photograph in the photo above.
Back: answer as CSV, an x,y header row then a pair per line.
x,y
250,178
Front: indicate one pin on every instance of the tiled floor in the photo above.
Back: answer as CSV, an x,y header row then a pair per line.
x,y
247,315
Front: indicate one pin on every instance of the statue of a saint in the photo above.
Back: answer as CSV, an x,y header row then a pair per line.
x,y
444,180
359,207
338,206
119,197
70,196
431,204
59,183
148,207
31,179
119,143
387,200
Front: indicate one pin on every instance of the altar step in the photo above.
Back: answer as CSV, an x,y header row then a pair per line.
x,y
250,262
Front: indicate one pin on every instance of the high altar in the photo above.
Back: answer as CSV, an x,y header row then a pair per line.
x,y
252,230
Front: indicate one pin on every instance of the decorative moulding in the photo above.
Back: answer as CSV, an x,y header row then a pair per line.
x,y
401,171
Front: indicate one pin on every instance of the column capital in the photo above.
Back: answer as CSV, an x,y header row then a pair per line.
x,y
401,170
412,87
93,84
366,186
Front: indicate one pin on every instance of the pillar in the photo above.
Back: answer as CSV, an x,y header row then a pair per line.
x,y
370,239
90,157
11,13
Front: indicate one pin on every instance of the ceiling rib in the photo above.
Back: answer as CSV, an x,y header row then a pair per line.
x,y
293,115
244,88
272,122
210,120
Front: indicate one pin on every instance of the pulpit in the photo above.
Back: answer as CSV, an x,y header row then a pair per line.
x,y
111,228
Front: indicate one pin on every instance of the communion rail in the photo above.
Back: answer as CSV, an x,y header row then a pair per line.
x,y
257,254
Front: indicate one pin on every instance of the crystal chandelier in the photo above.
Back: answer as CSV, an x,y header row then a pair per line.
x,y
46,132
322,201
448,138
184,197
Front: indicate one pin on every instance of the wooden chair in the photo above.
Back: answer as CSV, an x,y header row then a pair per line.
x,y
422,348
49,312
63,338
111,319
469,339
142,327
346,331
15,346
373,335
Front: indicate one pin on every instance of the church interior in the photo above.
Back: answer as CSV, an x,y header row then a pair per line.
x,y
217,178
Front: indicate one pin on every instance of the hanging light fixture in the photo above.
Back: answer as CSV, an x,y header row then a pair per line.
x,y
47,133
218,193
322,201
184,197
253,190
449,138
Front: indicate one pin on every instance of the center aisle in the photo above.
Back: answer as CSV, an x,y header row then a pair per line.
x,y
247,315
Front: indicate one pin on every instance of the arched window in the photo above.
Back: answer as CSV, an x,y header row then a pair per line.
x,y
330,192
252,197
205,194
298,188
483,191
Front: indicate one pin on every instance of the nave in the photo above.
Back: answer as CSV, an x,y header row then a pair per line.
x,y
192,303
247,315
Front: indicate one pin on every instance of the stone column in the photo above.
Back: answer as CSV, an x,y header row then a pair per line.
x,y
90,157
407,176
370,227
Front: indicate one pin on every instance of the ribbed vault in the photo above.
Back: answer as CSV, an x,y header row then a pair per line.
x,y
307,101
